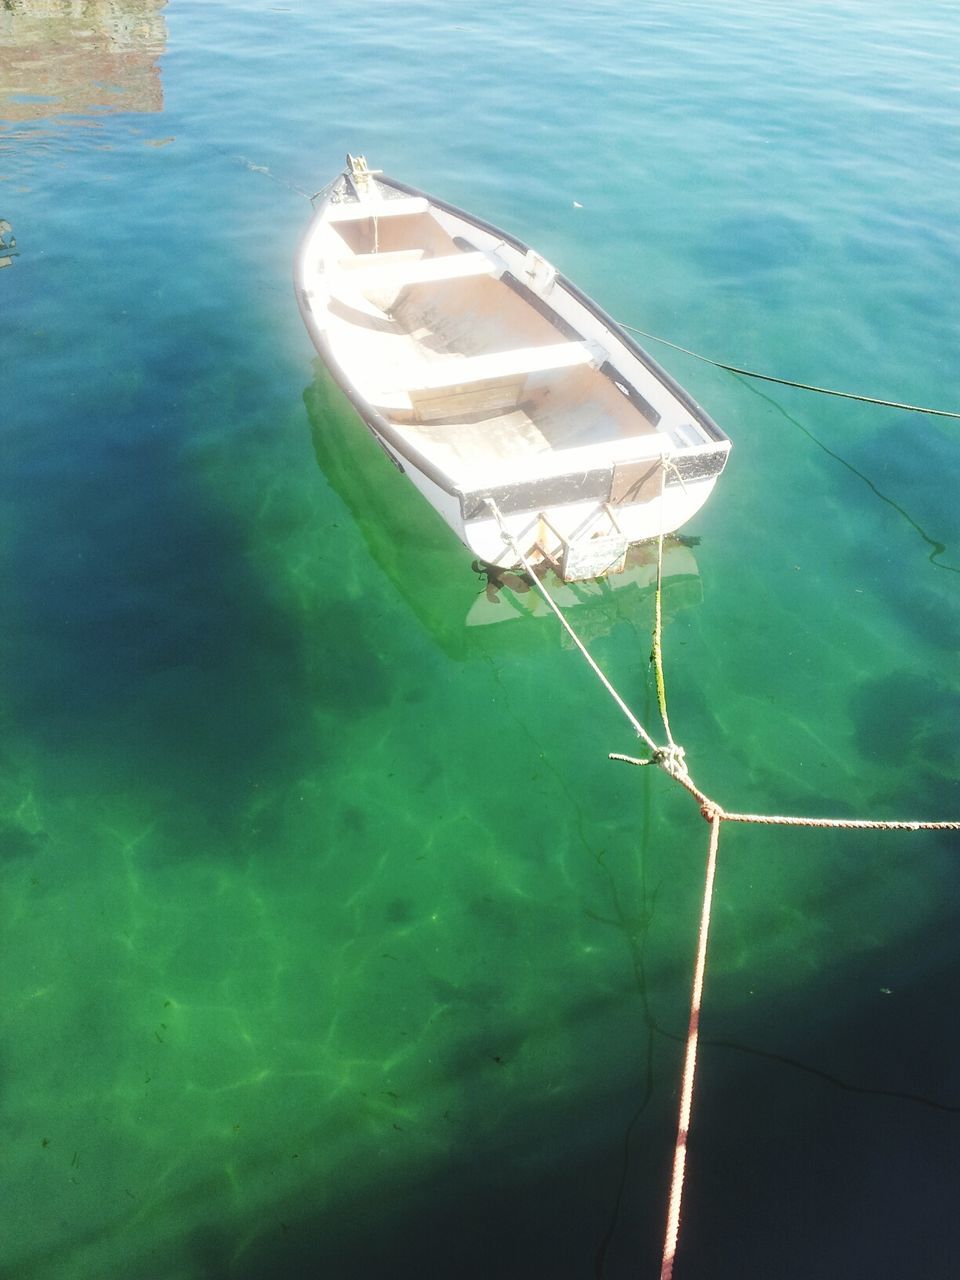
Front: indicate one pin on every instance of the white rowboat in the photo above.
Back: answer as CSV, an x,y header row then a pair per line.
x,y
508,397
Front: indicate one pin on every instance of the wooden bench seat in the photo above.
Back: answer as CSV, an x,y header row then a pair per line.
x,y
351,211
374,271
458,371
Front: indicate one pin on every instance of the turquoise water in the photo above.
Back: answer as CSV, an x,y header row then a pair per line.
x,y
333,944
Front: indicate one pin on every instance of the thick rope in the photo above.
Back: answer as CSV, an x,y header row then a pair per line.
x,y
672,760
657,651
690,1062
848,824
510,541
789,382
710,809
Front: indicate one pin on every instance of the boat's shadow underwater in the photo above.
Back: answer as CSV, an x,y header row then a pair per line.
x,y
455,600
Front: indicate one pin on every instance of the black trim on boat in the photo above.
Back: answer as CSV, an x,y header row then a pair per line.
x,y
542,308
642,405
698,465
584,486
457,212
686,399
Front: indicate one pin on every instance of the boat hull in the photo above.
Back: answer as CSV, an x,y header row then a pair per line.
x,y
619,455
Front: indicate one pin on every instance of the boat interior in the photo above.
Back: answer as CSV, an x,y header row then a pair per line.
x,y
459,354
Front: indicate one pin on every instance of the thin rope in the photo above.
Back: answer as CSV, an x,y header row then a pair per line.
x,y
511,542
789,382
690,1061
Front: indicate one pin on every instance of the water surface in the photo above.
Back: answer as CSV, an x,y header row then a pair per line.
x,y
333,942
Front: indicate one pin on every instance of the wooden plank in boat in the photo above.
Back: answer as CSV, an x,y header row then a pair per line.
x,y
444,403
460,371
395,275
359,261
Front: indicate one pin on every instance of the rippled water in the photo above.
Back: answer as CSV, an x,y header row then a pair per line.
x,y
333,942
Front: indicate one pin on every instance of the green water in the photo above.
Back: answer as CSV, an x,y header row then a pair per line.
x,y
333,943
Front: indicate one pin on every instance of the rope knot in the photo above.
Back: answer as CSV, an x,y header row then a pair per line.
x,y
672,760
